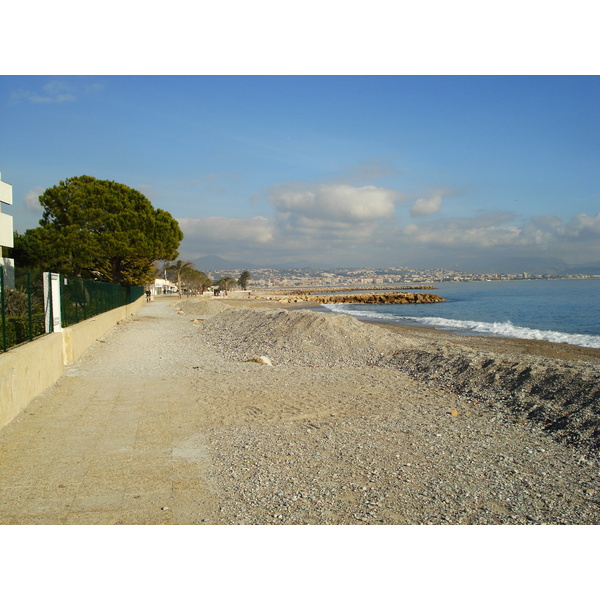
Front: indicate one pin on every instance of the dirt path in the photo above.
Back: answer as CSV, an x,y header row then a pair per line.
x,y
117,439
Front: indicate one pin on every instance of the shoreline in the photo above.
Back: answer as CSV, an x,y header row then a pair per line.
x,y
553,386
578,328
505,345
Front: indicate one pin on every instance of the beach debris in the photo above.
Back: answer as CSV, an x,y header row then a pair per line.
x,y
454,412
261,360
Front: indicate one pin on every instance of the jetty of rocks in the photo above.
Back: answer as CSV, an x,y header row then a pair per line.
x,y
388,298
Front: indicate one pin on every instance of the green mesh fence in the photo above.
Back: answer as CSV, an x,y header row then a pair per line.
x,y
24,301
22,314
83,298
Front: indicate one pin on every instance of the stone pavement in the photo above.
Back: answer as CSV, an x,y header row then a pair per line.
x,y
117,440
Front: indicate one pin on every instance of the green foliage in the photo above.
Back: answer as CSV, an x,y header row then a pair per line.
x,y
101,230
243,279
22,315
180,269
226,283
25,250
17,324
197,280
17,329
205,281
16,303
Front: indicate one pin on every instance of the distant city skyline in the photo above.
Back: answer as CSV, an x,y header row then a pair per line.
x,y
461,172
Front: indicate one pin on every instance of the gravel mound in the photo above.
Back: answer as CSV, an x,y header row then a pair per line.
x,y
560,396
564,397
201,308
299,338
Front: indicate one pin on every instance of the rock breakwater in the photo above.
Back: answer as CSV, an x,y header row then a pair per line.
x,y
388,298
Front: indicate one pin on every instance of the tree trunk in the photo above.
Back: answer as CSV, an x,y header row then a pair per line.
x,y
115,264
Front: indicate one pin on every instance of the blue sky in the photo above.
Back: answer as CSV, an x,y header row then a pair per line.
x,y
330,170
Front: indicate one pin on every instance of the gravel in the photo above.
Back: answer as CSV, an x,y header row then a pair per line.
x,y
355,424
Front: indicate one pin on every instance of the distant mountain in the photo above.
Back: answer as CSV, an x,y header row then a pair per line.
x,y
212,262
592,268
532,265
302,264
524,264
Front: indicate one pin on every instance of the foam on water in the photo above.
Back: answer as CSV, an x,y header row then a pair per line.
x,y
503,329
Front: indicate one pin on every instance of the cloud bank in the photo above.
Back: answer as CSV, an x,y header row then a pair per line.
x,y
222,232
338,224
335,203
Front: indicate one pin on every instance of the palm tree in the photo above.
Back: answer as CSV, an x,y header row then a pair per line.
x,y
205,281
180,268
225,283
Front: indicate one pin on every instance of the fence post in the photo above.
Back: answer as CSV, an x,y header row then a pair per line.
x,y
52,306
29,315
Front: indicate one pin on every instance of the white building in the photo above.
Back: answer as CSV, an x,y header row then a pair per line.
x,y
6,221
6,233
163,286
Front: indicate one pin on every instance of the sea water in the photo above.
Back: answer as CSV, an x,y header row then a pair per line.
x,y
563,311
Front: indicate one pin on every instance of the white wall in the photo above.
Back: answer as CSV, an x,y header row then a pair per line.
x,y
6,221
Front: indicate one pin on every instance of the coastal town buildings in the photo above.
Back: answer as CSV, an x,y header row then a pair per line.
x,y
310,278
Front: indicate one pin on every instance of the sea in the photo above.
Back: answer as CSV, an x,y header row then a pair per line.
x,y
563,311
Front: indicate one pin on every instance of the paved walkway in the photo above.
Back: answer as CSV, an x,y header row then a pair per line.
x,y
117,439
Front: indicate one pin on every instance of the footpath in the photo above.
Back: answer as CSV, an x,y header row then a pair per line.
x,y
116,439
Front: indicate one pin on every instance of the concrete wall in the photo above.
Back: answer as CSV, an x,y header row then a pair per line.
x,y
28,370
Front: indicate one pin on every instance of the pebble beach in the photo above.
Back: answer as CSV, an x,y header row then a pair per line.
x,y
357,423
174,417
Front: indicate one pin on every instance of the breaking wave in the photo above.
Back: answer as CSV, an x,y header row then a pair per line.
x,y
504,329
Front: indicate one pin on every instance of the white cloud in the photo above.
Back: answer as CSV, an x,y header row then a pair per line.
x,y
545,233
55,92
31,199
464,233
334,203
426,206
583,227
221,232
340,224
